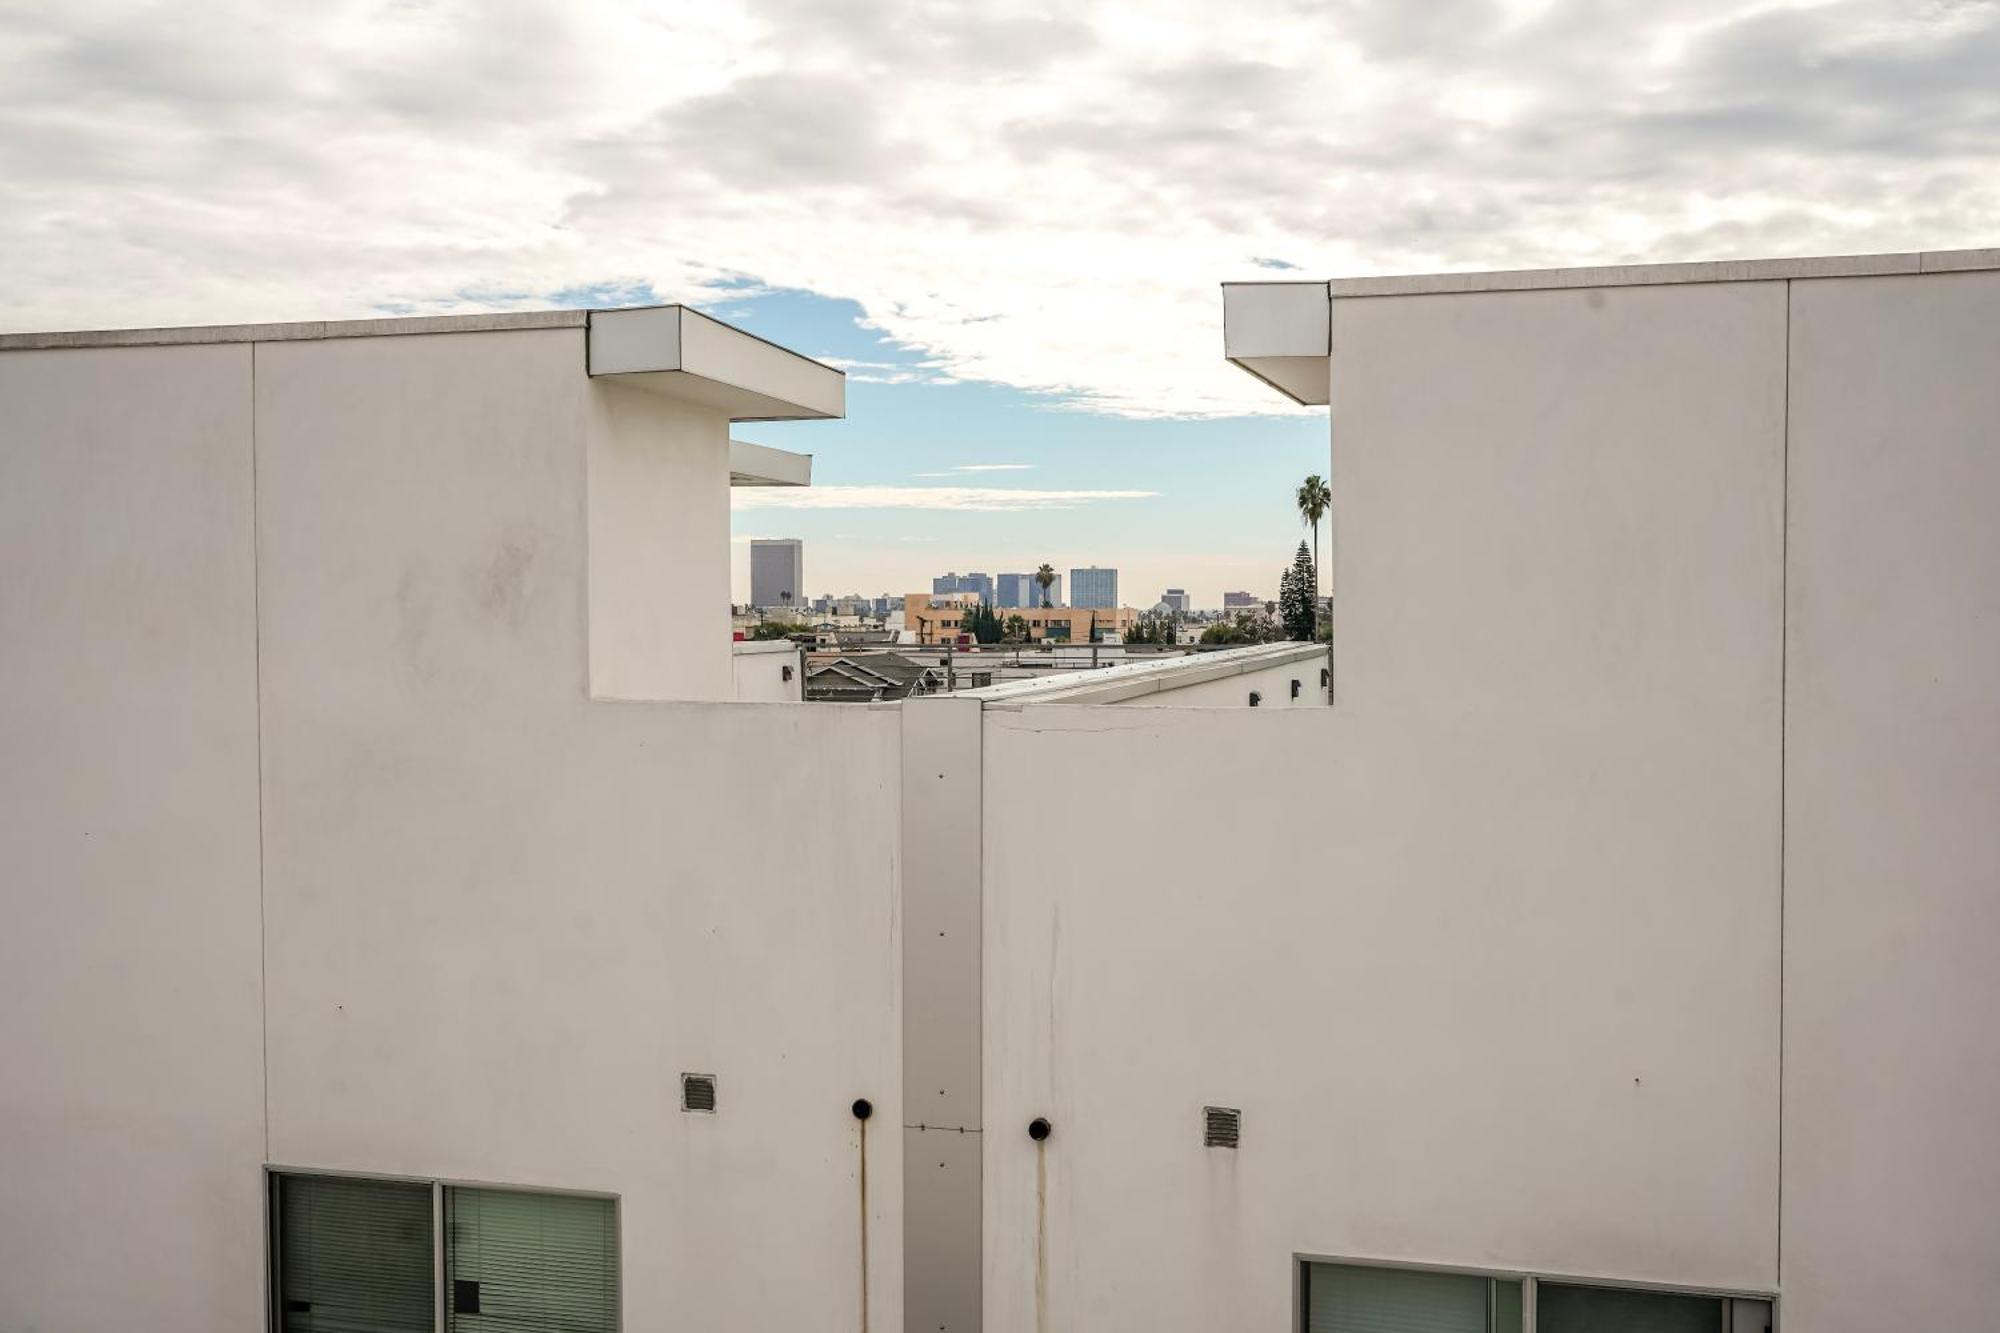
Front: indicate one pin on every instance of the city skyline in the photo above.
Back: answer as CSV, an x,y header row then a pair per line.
x,y
996,589
929,473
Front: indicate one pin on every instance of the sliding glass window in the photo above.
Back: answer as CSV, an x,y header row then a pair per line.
x,y
1367,1298
530,1262
355,1255
1353,1298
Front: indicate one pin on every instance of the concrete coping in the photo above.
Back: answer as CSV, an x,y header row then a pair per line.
x,y
1656,275
665,349
297,331
1263,291
753,647
1133,680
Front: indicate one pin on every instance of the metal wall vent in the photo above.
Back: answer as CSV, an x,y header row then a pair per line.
x,y
698,1093
1221,1126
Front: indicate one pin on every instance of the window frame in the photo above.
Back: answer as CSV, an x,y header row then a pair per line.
x,y
273,1173
1529,1280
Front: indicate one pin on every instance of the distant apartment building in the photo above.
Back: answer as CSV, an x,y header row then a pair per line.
x,y
1176,599
1093,588
936,620
980,584
1021,590
1241,601
777,572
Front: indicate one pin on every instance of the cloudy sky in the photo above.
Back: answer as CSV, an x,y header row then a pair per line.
x,y
1008,223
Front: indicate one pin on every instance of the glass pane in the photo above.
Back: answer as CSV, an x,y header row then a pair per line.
x,y
1562,1309
1506,1306
354,1256
1347,1298
526,1263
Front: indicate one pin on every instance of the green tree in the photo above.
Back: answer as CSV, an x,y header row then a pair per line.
x,y
982,622
1314,499
1152,628
778,629
1045,576
1295,598
1014,629
1248,627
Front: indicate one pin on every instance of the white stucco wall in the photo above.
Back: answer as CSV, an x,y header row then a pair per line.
x,y
760,672
1892,886
659,547
1273,684
1500,985
131,1074
500,919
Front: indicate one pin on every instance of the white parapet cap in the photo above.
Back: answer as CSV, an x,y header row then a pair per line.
x,y
1281,331
1135,680
762,647
760,465
673,350
666,349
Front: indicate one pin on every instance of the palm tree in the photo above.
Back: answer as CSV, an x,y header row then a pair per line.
x,y
1045,576
1314,499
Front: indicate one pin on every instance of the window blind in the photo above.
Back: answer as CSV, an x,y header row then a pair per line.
x,y
1567,1309
1344,1298
519,1262
354,1256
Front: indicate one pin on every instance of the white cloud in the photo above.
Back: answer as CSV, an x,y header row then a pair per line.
x,y
980,467
1045,197
966,499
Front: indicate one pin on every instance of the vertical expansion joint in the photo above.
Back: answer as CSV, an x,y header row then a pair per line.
x,y
942,816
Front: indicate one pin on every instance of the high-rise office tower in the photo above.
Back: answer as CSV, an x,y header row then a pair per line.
x,y
1094,588
947,584
777,572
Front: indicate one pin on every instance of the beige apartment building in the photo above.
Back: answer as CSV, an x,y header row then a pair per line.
x,y
939,620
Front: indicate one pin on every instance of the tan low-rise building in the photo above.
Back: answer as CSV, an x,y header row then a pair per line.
x,y
942,619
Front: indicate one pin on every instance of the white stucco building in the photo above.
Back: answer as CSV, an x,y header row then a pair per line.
x,y
387,884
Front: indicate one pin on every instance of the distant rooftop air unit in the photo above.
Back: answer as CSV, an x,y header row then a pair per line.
x,y
1221,1126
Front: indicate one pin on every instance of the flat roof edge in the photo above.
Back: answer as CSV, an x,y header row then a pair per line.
x,y
1656,275
297,331
761,465
1132,680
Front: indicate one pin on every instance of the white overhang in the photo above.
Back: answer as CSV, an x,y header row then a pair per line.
x,y
760,465
683,353
1281,333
